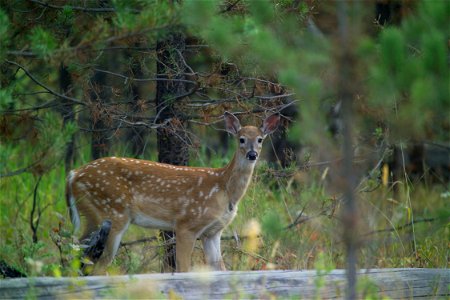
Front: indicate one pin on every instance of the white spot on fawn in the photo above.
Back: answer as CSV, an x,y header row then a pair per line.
x,y
81,186
215,189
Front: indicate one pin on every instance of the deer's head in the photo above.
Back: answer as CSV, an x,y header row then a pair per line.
x,y
250,138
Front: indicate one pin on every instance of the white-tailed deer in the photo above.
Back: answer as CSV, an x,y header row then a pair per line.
x,y
194,202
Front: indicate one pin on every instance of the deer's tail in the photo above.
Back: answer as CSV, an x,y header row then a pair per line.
x,y
71,203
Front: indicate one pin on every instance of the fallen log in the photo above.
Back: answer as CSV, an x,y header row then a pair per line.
x,y
393,283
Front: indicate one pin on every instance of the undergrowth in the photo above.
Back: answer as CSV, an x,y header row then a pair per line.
x,y
283,222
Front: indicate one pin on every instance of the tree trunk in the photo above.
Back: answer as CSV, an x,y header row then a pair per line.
x,y
172,139
346,93
67,112
136,135
283,151
99,95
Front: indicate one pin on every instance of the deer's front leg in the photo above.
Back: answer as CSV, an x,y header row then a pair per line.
x,y
213,255
185,244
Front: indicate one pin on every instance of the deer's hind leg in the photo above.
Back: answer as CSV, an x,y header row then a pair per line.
x,y
118,228
91,209
91,219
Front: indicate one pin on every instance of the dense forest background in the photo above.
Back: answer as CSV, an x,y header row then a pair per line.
x,y
361,161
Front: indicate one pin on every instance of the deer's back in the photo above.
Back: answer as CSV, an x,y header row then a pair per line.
x,y
152,194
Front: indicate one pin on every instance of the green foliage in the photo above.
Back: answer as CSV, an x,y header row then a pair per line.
x,y
45,136
393,50
368,289
4,33
66,16
4,25
6,99
271,225
199,10
42,42
153,14
52,138
262,42
412,78
323,266
262,12
125,18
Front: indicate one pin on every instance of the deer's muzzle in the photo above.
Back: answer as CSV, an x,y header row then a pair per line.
x,y
252,155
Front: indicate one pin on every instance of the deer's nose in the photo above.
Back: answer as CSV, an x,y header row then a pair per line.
x,y
252,155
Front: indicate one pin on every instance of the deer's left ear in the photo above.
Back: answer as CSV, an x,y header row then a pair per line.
x,y
270,124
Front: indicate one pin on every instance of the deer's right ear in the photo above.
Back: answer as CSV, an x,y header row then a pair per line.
x,y
232,124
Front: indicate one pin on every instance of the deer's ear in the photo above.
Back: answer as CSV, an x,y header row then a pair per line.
x,y
270,124
232,124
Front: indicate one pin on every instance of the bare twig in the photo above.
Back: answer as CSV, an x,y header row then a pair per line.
x,y
144,79
34,225
230,7
17,172
401,227
274,96
49,104
79,8
143,240
28,73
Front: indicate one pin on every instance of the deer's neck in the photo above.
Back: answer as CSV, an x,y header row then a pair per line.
x,y
238,174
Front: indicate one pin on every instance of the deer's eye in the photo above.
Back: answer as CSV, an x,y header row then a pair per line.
x,y
241,140
260,140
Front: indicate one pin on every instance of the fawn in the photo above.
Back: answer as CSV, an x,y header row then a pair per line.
x,y
195,202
